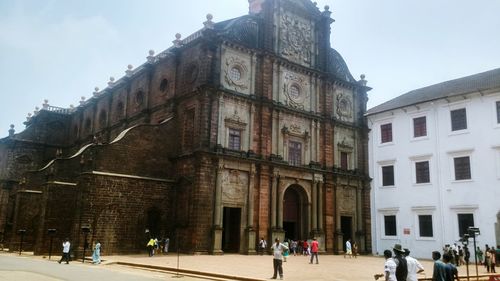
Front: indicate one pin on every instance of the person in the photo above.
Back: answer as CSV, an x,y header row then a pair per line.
x,y
460,260
278,250
451,269
294,247
439,270
497,255
389,268
354,249
166,243
314,250
286,252
414,266
401,264
305,247
493,260
150,245
348,248
466,255
479,255
96,255
65,254
156,246
262,245
487,259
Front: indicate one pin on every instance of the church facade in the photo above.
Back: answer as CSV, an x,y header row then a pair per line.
x,y
251,127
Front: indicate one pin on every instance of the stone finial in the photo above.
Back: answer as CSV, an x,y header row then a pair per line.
x,y
11,131
96,91
151,57
177,42
209,23
37,109
255,6
111,81
28,117
129,70
327,8
82,100
362,81
45,104
71,106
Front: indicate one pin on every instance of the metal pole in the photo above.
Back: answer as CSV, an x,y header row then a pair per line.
x,y
50,247
177,242
475,256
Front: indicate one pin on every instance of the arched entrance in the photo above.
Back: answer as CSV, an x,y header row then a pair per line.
x,y
295,213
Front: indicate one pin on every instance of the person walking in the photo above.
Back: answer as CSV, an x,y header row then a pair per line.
x,y
348,248
354,249
451,269
305,247
314,250
166,243
278,250
414,266
401,264
479,255
65,254
262,245
286,252
389,268
96,255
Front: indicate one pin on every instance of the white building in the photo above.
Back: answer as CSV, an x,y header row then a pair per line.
x,y
434,156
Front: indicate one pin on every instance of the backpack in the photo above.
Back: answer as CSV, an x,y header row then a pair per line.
x,y
401,268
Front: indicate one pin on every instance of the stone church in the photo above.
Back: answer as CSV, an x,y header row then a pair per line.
x,y
250,127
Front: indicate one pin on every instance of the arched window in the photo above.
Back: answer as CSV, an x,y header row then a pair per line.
x,y
164,86
139,97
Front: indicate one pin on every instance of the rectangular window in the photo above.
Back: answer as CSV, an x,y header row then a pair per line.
x,y
462,168
464,222
419,127
386,132
390,225
425,225
387,175
294,153
422,172
344,164
458,119
498,112
234,139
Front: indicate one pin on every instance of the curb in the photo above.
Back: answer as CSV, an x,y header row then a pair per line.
x,y
210,275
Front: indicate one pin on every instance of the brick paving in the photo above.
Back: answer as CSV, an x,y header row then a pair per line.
x,y
330,267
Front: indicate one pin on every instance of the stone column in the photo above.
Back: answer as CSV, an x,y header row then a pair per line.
x,y
280,206
217,223
314,201
274,194
250,232
250,127
320,205
359,219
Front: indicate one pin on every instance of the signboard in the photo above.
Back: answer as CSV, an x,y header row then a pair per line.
x,y
406,231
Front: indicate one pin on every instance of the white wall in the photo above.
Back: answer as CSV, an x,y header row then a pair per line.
x,y
443,197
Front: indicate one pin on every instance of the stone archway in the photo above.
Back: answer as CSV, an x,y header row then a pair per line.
x,y
295,213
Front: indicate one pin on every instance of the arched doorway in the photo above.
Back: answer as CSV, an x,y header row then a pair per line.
x,y
295,213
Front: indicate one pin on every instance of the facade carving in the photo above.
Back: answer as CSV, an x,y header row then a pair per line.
x,y
229,135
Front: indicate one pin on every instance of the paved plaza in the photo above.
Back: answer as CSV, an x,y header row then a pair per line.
x,y
242,267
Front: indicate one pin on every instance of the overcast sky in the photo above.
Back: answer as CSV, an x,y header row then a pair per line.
x,y
61,49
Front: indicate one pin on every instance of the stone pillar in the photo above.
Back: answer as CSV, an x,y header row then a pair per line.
x,y
217,223
320,206
360,237
250,126
274,194
314,201
250,232
281,197
339,243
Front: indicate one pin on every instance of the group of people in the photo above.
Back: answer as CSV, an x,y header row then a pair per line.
x,y
282,250
96,254
491,257
156,246
401,266
351,249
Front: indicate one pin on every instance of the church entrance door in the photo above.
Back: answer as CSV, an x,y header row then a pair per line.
x,y
231,233
293,209
346,229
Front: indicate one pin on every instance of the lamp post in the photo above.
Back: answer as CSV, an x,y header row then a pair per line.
x,y
51,232
473,231
21,232
86,231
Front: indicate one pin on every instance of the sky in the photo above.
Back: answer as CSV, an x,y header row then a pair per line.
x,y
60,50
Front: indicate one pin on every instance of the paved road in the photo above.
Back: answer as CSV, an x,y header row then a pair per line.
x,y
15,268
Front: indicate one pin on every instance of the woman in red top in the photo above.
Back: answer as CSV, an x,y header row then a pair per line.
x,y
314,250
304,248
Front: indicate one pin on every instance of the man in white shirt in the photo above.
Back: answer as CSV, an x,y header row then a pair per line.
x,y
348,248
66,246
389,268
278,250
414,266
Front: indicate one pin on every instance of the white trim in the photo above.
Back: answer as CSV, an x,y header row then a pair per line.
x,y
128,176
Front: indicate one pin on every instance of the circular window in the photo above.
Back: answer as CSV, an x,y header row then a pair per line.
x,y
235,73
294,92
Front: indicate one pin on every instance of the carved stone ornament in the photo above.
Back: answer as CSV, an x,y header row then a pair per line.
x,y
234,185
294,89
235,73
347,142
296,38
235,121
344,107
